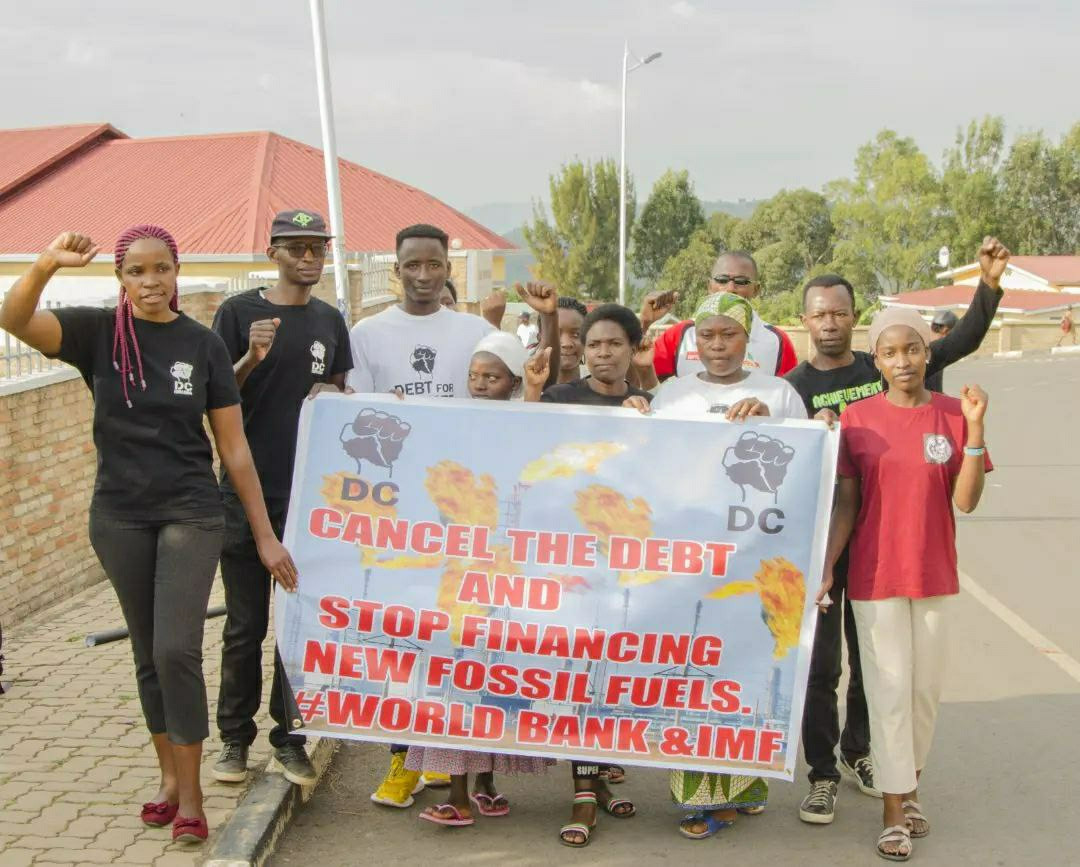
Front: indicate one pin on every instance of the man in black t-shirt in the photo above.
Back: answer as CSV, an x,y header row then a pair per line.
x,y
282,343
834,377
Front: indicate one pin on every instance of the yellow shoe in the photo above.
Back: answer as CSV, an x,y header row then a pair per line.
x,y
400,785
435,780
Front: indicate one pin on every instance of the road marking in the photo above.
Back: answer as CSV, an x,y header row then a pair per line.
x,y
1021,627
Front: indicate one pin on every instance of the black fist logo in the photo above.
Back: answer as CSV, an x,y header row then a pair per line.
x,y
758,461
423,359
377,438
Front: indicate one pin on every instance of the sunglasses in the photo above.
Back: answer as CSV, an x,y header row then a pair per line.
x,y
724,279
296,249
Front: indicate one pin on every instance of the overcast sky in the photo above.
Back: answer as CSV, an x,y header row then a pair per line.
x,y
479,102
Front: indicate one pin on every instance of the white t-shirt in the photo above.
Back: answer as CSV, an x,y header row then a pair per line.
x,y
421,355
691,395
528,334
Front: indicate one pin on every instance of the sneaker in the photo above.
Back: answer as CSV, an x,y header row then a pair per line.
x,y
400,785
296,767
819,807
862,771
231,766
434,780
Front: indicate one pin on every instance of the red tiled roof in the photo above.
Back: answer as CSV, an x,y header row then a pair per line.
x,y
1062,270
217,194
1012,301
26,152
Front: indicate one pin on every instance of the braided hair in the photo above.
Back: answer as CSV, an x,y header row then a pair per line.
x,y
124,329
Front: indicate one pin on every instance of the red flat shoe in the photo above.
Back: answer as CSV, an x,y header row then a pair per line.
x,y
159,814
189,830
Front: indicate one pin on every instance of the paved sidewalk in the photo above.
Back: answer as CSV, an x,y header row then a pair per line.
x,y
76,762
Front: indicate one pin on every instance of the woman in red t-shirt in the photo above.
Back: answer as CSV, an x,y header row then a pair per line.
x,y
907,455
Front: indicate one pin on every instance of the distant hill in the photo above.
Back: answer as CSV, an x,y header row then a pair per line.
x,y
742,208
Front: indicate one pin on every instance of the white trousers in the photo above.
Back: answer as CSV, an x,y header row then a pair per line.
x,y
902,647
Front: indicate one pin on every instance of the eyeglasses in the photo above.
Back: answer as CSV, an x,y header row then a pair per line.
x,y
724,279
296,249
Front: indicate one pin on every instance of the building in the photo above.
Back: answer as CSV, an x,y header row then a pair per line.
x,y
217,194
1036,288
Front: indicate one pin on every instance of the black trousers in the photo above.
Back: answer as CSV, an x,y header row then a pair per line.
x,y
821,714
162,573
248,588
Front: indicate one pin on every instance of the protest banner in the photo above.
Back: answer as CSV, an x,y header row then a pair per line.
x,y
562,581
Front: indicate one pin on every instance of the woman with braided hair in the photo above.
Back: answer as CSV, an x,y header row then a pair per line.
x,y
156,518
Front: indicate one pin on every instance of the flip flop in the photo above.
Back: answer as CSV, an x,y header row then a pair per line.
x,y
455,821
900,835
579,827
614,803
913,814
613,774
712,825
485,804
752,811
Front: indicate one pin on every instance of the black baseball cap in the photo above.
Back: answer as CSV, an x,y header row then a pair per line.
x,y
945,318
299,224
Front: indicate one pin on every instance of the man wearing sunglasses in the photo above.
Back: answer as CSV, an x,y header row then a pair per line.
x,y
282,343
768,350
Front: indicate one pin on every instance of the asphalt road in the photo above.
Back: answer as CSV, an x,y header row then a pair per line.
x,y
1003,784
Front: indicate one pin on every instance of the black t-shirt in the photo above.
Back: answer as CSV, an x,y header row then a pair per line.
x,y
154,458
835,389
579,392
311,345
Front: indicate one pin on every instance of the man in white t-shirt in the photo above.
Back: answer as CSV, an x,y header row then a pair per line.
x,y
527,332
417,347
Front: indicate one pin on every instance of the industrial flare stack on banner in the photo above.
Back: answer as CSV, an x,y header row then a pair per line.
x,y
561,581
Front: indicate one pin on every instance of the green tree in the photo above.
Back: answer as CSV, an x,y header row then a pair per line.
x,y
888,218
971,187
790,235
1041,184
688,272
670,217
577,250
721,228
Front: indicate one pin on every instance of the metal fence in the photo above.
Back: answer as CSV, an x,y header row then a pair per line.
x,y
19,360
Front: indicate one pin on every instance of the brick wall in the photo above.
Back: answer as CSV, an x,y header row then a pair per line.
x,y
46,478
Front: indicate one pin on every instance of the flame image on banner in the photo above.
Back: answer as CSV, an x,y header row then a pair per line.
x,y
783,596
568,460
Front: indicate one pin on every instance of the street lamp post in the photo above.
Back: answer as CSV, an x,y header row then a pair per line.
x,y
626,70
333,183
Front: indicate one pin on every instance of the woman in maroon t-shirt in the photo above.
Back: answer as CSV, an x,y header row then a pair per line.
x,y
907,455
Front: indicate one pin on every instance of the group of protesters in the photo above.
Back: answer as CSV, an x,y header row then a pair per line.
x,y
161,522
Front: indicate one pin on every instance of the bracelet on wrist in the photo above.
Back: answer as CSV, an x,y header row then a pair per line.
x,y
975,451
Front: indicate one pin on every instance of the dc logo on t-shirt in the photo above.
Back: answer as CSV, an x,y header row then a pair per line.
x,y
318,358
936,448
181,372
423,359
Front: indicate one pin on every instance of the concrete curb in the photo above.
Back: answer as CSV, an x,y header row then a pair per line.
x,y
253,830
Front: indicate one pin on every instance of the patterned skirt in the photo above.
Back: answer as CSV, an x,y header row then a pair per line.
x,y
457,762
699,791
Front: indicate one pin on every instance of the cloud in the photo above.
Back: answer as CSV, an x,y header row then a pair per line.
x,y
683,9
79,53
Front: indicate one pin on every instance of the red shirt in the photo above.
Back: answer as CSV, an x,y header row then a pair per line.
x,y
769,350
906,461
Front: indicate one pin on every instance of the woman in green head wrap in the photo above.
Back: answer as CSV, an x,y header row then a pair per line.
x,y
724,388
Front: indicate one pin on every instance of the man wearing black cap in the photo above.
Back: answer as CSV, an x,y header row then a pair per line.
x,y
943,322
282,343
